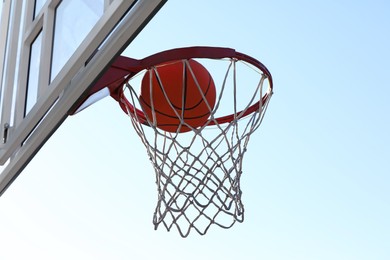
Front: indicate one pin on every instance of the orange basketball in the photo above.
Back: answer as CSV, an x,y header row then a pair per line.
x,y
177,95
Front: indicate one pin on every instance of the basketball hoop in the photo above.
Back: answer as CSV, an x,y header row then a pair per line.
x,y
197,170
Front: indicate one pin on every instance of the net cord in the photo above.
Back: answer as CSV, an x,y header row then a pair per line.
x,y
191,182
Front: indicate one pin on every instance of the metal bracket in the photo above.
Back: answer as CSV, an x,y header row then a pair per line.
x,y
6,127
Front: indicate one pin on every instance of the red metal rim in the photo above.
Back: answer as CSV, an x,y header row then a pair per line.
x,y
189,53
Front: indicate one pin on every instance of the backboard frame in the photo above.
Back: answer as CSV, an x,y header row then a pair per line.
x,y
121,22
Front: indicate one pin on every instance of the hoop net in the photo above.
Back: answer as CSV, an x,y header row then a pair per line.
x,y
198,172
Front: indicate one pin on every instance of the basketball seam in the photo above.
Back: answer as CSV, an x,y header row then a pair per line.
x,y
185,96
204,93
170,116
185,90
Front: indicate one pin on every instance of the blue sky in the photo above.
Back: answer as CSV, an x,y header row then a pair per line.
x,y
316,175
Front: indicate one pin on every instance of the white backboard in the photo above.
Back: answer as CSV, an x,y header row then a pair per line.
x,y
51,52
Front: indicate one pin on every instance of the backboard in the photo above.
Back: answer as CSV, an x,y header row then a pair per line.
x,y
51,53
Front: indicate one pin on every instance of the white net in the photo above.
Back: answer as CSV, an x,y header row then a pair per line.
x,y
198,172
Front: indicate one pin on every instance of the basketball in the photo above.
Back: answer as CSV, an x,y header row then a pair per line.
x,y
179,91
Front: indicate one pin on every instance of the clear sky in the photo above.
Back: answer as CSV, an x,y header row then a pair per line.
x,y
316,174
